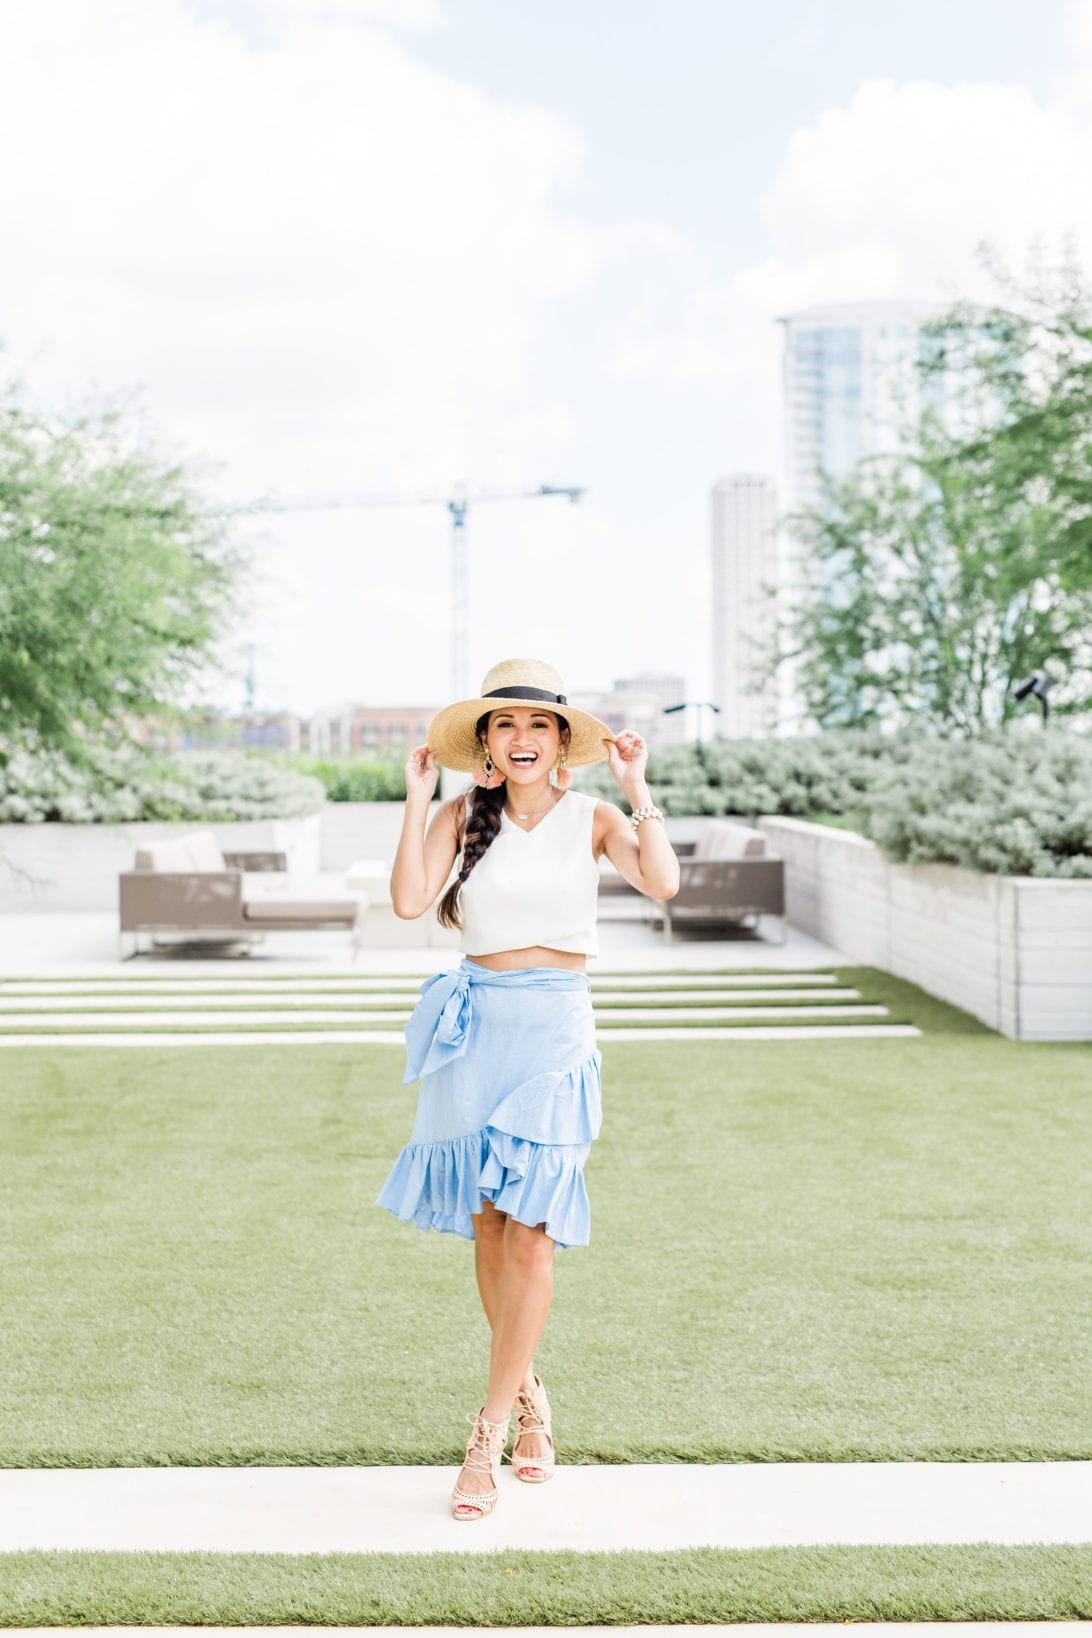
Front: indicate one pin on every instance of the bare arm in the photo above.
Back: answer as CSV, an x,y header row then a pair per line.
x,y
423,862
643,856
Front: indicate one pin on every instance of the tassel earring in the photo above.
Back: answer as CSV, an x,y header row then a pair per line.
x,y
488,776
563,777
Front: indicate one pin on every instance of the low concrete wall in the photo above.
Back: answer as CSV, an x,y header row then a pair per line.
x,y
1014,952
76,867
356,831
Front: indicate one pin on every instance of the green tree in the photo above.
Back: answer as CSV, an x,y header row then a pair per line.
x,y
116,581
936,577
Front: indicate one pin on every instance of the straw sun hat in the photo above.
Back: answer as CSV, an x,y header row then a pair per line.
x,y
452,733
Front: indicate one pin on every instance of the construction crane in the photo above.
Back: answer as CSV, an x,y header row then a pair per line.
x,y
457,503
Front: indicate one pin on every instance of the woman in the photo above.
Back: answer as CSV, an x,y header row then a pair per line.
x,y
505,1044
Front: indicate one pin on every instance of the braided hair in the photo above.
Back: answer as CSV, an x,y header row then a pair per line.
x,y
479,830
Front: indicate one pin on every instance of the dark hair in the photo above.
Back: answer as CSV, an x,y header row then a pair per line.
x,y
482,826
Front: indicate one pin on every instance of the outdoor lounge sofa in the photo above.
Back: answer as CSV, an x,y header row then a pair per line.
x,y
725,876
188,886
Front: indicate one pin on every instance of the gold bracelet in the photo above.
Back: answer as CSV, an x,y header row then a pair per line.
x,y
651,812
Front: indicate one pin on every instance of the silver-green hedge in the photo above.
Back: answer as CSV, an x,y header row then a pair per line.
x,y
1010,803
122,784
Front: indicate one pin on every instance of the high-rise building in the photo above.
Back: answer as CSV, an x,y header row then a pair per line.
x,y
849,380
745,579
849,376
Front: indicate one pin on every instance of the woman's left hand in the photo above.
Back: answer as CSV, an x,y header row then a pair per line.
x,y
627,756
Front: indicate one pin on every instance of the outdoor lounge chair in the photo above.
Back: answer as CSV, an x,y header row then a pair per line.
x,y
187,886
725,878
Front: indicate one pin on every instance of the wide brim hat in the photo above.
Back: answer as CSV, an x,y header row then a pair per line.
x,y
453,733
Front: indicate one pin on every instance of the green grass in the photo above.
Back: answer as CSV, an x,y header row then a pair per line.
x,y
503,1589
862,1250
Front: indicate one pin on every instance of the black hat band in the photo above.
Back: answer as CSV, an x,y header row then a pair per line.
x,y
525,694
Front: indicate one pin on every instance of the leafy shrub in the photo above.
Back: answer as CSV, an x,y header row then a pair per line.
x,y
118,784
1011,803
355,780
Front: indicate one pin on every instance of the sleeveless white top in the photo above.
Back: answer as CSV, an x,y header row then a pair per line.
x,y
537,886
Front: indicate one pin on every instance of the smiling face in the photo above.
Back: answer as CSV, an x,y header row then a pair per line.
x,y
523,742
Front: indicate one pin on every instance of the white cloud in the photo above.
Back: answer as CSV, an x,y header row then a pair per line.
x,y
411,14
889,195
312,251
332,268
327,263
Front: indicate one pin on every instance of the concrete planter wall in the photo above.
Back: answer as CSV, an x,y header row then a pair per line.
x,y
76,867
353,831
1014,952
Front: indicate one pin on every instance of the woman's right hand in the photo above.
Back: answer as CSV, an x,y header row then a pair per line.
x,y
422,773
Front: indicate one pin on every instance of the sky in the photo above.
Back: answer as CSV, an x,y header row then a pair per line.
x,y
331,248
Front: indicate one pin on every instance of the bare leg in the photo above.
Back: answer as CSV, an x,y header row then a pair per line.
x,y
489,1265
515,1271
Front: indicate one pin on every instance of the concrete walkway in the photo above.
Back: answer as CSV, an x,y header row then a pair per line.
x,y
85,944
605,1508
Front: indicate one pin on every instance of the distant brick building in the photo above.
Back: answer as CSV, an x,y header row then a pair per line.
x,y
639,703
368,730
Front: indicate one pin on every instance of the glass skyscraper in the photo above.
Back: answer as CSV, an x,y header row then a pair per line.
x,y
849,375
849,378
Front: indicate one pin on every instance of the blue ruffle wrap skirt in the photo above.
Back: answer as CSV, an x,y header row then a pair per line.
x,y
509,1104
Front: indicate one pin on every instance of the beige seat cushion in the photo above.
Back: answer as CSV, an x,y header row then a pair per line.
x,y
198,851
723,839
270,896
296,909
205,851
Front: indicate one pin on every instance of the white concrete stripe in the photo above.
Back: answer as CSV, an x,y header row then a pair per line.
x,y
229,985
182,1004
293,1015
653,1508
199,1017
393,1037
185,1006
714,1014
764,1032
666,980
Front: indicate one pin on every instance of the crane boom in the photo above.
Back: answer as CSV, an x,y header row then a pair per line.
x,y
457,503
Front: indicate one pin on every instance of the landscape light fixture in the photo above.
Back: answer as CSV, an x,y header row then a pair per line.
x,y
1037,686
698,705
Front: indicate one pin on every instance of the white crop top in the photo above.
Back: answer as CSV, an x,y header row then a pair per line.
x,y
535,886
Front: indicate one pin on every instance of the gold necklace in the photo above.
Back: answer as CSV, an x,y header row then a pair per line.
x,y
538,811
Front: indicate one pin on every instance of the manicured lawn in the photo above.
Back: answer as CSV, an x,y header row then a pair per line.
x,y
800,1250
547,1589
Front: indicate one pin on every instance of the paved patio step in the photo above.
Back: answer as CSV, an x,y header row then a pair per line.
x,y
653,1507
48,1005
401,983
393,1037
646,1005
291,1015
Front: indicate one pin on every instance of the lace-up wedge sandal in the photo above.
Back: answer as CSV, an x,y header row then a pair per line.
x,y
533,1416
483,1454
